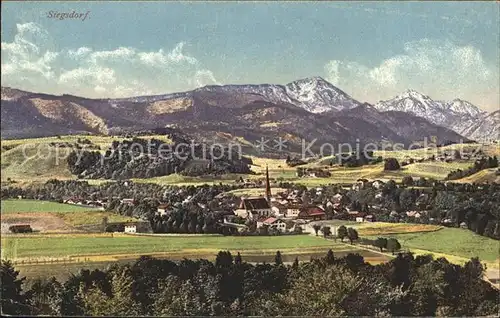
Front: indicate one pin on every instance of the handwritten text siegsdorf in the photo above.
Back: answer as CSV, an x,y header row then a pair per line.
x,y
73,15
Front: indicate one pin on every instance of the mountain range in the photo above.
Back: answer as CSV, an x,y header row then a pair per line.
x,y
458,115
307,109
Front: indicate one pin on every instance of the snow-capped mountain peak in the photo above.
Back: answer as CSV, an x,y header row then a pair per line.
x,y
413,94
317,95
313,94
464,107
458,115
411,101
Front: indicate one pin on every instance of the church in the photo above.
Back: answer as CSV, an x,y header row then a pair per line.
x,y
255,208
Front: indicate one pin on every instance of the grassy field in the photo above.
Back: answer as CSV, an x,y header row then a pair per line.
x,y
93,217
63,268
30,162
488,149
251,192
451,242
52,217
384,229
177,179
15,206
39,246
487,175
437,170
35,160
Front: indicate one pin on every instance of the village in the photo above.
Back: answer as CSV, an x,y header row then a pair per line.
x,y
290,210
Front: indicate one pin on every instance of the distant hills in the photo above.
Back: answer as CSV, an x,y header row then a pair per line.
x,y
309,109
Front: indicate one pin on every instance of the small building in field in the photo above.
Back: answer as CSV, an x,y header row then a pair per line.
x,y
20,228
130,228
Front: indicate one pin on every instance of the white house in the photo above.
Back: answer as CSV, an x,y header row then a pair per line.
x,y
292,211
414,214
272,222
130,228
162,209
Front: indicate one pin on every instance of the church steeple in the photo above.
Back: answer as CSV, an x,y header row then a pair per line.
x,y
268,186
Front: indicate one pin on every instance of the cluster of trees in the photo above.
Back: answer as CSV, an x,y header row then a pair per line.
x,y
143,158
481,164
391,164
189,221
81,143
392,245
358,159
330,286
293,162
342,232
318,172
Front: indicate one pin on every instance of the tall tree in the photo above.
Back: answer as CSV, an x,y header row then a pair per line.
x,y
393,245
330,258
319,293
278,259
352,234
342,232
237,259
316,228
381,243
13,300
121,301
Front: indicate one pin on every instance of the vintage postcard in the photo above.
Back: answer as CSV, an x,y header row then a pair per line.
x,y
253,158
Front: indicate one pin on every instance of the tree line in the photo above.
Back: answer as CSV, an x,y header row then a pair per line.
x,y
481,164
329,286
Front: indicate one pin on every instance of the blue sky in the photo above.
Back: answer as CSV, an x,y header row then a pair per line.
x,y
371,50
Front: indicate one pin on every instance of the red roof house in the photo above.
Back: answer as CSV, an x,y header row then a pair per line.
x,y
312,213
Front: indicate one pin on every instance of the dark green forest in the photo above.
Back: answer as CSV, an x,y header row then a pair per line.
x,y
148,158
330,286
